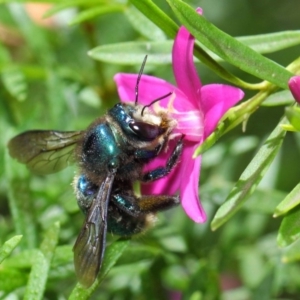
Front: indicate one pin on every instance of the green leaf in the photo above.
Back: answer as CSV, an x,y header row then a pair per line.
x,y
291,253
40,269
279,99
132,53
112,254
14,81
9,246
20,202
288,127
70,3
62,265
93,12
37,278
293,115
250,178
289,230
143,25
157,16
23,260
266,43
160,53
228,48
289,202
139,253
11,279
272,42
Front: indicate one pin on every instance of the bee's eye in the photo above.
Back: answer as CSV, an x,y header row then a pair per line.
x,y
145,131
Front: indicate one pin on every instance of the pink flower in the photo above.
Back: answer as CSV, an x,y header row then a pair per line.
x,y
294,85
197,109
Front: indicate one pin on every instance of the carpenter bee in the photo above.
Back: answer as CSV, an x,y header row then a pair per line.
x,y
110,154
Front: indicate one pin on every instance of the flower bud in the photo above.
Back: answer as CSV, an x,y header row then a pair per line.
x,y
294,85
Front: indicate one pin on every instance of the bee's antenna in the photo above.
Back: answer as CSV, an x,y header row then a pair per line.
x,y
156,100
138,80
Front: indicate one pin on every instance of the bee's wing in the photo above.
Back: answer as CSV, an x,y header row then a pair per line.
x,y
45,151
90,244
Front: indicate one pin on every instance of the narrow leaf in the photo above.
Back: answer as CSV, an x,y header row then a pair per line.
x,y
70,3
20,203
272,42
143,25
22,260
288,127
279,99
15,82
289,230
157,16
40,269
138,253
293,115
228,48
112,254
265,43
93,12
9,246
250,178
289,202
37,280
160,52
291,253
63,254
132,53
11,280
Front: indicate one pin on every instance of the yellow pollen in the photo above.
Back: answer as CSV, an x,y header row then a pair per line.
x,y
170,108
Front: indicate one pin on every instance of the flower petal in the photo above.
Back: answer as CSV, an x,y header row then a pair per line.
x,y
294,85
189,186
150,88
183,67
167,185
216,99
190,124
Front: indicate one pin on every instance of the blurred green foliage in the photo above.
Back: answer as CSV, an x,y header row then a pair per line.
x,y
48,81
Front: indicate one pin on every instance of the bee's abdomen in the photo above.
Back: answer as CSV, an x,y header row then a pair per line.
x,y
123,224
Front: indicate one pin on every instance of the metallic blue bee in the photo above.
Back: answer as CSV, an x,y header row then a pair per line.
x,y
111,154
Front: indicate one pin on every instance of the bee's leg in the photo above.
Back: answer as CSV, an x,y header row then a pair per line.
x,y
136,206
155,203
171,163
127,203
147,154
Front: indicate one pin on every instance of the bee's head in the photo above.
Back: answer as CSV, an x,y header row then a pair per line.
x,y
142,125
